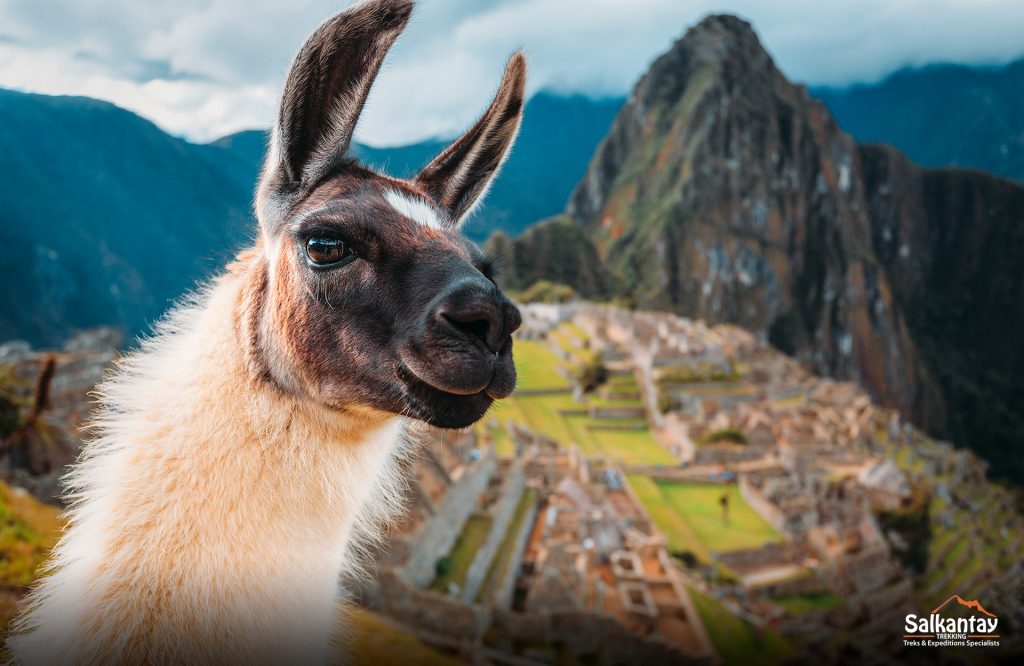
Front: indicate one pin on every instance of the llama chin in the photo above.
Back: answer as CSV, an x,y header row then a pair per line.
x,y
246,453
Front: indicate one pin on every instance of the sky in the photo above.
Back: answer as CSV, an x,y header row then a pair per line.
x,y
205,68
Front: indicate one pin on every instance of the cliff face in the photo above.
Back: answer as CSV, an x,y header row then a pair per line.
x,y
952,242
724,191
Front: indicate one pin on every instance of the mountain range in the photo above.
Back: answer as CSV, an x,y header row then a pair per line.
x,y
941,115
106,219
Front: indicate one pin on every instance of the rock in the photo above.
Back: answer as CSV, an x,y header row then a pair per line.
x,y
48,436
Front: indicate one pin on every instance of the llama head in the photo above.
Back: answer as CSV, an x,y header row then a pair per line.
x,y
372,297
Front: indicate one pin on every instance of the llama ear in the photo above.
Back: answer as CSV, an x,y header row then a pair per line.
x,y
327,87
458,178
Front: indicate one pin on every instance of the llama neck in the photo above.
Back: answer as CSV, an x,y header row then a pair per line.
x,y
216,504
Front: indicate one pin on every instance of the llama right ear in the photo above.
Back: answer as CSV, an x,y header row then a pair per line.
x,y
327,87
458,178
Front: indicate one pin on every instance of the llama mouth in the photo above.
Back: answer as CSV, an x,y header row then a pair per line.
x,y
444,409
460,370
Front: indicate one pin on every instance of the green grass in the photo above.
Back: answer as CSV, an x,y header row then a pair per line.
x,y
28,530
632,447
699,506
537,367
542,414
503,444
800,604
499,566
690,515
468,543
681,536
624,381
545,414
628,403
576,331
736,640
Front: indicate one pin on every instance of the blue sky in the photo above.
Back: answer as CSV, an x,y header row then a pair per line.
x,y
204,68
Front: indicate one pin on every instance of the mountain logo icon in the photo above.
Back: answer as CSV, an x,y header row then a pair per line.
x,y
974,604
944,627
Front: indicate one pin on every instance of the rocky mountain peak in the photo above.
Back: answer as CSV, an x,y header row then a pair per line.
x,y
725,192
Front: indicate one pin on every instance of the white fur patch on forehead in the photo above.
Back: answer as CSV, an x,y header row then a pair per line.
x,y
414,208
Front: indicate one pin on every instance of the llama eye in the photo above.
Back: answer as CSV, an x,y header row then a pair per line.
x,y
327,251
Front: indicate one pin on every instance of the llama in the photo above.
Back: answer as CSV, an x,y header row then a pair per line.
x,y
247,448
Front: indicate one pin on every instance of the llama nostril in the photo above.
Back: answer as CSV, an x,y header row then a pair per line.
x,y
474,328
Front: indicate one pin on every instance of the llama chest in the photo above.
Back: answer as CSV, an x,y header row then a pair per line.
x,y
216,557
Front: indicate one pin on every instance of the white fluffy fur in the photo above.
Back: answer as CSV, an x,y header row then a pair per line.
x,y
414,209
212,516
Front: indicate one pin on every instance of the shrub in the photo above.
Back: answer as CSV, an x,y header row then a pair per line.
x,y
10,419
724,436
912,522
688,558
545,291
443,567
590,372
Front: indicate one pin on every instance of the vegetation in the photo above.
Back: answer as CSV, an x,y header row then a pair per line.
x,y
537,367
692,374
913,523
28,530
545,291
724,436
458,560
681,537
630,447
375,640
690,515
10,419
544,403
589,371
699,504
800,604
10,412
737,641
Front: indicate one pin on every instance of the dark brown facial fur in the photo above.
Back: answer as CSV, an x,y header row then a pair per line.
x,y
410,326
407,320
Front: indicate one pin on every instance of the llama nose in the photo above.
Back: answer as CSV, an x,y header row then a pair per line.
x,y
476,310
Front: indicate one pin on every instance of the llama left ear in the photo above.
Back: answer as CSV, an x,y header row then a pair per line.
x,y
458,178
327,86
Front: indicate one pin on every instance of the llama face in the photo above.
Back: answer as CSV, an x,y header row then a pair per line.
x,y
371,297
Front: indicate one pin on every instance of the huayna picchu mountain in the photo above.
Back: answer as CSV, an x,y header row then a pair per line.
x,y
725,192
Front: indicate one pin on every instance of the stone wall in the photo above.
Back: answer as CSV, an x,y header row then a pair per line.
x,y
507,587
586,636
501,514
438,534
427,612
727,454
748,559
771,513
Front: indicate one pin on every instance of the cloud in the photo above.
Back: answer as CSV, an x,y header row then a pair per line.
x,y
203,68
